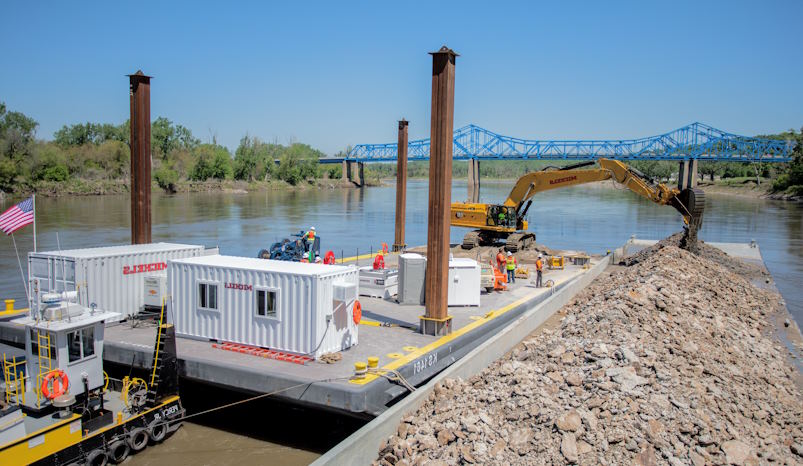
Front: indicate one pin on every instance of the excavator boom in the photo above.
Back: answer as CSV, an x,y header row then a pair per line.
x,y
495,222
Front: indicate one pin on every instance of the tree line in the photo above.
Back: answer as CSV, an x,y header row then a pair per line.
x,y
92,152
101,152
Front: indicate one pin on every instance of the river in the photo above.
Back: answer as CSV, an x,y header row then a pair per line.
x,y
593,218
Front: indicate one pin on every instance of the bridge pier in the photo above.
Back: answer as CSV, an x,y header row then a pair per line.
x,y
344,172
351,171
401,186
687,174
474,181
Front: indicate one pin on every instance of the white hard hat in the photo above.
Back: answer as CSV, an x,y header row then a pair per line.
x,y
312,228
317,257
540,256
509,253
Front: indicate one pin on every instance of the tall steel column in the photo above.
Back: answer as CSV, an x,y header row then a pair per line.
x,y
437,321
401,186
140,142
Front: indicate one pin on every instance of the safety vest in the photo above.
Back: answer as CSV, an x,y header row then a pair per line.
x,y
500,260
511,263
539,265
310,236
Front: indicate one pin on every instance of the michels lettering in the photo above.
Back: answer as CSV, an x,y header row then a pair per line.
x,y
563,180
240,286
140,268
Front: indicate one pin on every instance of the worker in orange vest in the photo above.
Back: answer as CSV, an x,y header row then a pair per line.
x,y
500,260
510,264
539,267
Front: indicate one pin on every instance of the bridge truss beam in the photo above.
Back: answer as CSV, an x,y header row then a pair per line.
x,y
696,141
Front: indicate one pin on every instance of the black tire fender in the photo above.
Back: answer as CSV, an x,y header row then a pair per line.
x,y
97,458
157,430
138,439
118,451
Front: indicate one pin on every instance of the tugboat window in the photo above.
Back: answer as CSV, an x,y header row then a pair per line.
x,y
207,296
74,345
81,344
266,303
88,335
51,354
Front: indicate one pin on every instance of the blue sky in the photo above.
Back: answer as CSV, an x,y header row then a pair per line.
x,y
334,73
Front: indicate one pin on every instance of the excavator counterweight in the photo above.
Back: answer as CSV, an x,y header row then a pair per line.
x,y
506,222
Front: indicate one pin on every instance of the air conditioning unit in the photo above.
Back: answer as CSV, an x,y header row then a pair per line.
x,y
155,289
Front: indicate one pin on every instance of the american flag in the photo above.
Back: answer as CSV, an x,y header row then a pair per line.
x,y
17,216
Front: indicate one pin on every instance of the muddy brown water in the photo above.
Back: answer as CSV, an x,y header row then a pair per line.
x,y
350,221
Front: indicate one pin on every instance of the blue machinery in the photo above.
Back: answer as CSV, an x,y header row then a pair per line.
x,y
696,141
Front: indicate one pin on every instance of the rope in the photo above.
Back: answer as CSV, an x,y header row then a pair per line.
x,y
253,398
399,378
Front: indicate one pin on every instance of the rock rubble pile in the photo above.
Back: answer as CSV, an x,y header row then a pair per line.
x,y
666,361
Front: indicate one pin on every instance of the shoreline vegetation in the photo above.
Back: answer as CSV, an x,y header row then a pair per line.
x,y
93,159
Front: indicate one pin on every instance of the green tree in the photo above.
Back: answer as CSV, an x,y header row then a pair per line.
x,y
298,163
213,161
166,178
166,137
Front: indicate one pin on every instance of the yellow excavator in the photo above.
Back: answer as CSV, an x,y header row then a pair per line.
x,y
506,222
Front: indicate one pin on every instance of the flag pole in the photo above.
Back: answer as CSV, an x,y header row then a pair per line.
x,y
24,283
34,221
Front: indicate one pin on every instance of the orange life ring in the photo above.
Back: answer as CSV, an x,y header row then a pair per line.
x,y
329,258
357,312
379,262
385,248
60,384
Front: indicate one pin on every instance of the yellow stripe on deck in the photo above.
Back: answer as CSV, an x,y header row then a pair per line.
x,y
412,356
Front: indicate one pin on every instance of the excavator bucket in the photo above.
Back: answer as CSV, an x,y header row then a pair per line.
x,y
691,204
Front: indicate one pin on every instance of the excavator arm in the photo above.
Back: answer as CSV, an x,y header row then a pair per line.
x,y
536,182
491,225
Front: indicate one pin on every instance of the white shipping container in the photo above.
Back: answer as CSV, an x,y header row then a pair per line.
x,y
287,306
112,278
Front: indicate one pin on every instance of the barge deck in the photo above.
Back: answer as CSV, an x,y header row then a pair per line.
x,y
388,332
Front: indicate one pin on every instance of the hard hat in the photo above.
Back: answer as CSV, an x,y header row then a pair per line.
x,y
317,257
509,253
312,228
540,256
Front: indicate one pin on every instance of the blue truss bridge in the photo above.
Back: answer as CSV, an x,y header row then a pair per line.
x,y
695,141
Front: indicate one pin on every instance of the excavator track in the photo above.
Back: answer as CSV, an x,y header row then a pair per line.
x,y
519,241
471,240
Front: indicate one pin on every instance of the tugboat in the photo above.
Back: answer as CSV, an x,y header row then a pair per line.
x,y
57,406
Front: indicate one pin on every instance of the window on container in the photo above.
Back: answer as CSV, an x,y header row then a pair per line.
x,y
267,301
207,296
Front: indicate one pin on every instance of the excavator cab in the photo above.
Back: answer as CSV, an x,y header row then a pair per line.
x,y
502,216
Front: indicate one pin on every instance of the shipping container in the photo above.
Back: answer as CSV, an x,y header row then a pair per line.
x,y
110,278
286,306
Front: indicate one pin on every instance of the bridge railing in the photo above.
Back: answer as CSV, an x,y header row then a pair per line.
x,y
694,141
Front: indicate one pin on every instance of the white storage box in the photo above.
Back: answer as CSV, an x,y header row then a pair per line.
x,y
412,271
381,283
112,278
287,306
464,282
